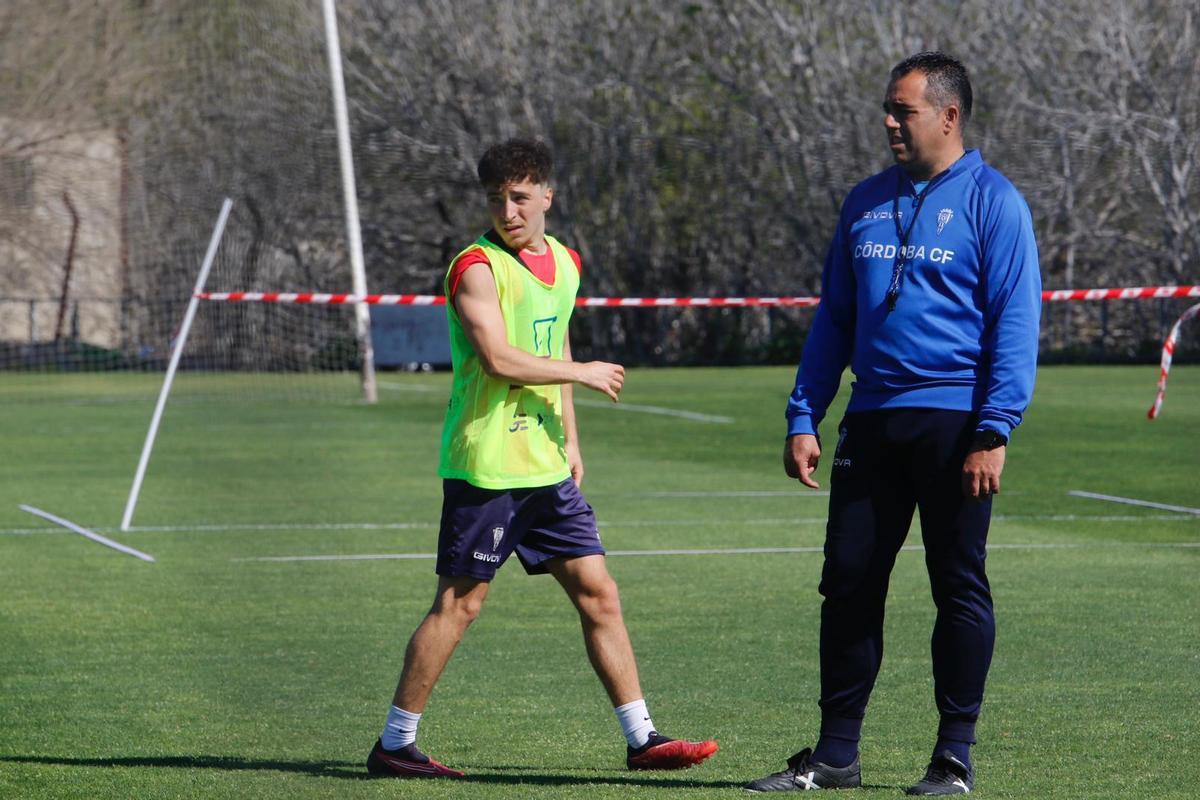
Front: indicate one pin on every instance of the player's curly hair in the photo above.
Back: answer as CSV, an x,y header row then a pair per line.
x,y
513,161
947,78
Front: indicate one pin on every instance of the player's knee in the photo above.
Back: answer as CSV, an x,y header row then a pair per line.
x,y
458,611
467,610
600,601
843,575
958,590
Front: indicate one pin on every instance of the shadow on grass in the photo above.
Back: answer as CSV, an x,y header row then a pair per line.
x,y
346,770
515,775
324,769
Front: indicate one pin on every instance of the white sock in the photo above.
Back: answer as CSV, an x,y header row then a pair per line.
x,y
635,722
400,729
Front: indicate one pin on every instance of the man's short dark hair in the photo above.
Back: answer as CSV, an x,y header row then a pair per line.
x,y
947,80
513,161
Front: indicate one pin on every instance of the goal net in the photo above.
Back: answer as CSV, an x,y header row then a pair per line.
x,y
114,160
123,127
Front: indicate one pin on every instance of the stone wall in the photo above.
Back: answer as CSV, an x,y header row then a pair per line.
x,y
40,165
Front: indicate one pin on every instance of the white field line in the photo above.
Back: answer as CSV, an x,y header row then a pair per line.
x,y
288,526
95,537
363,557
405,387
793,493
727,551
584,401
1089,518
604,525
371,526
264,527
285,527
666,412
1129,501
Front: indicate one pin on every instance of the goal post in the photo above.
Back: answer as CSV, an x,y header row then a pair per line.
x,y
362,314
176,352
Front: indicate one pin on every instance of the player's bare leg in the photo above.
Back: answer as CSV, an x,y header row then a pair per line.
x,y
455,606
594,593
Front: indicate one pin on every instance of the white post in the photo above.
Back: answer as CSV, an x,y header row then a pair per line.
x,y
362,314
176,352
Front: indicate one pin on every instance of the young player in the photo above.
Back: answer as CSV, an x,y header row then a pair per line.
x,y
511,464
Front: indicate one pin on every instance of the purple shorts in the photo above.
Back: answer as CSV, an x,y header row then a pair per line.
x,y
482,527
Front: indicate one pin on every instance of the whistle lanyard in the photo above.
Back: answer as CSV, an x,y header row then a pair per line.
x,y
893,292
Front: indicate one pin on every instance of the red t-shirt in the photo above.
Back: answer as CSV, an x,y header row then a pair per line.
x,y
541,266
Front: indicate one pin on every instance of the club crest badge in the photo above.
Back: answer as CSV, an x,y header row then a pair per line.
x,y
497,535
944,217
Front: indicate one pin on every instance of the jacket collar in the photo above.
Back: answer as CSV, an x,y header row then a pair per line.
x,y
967,162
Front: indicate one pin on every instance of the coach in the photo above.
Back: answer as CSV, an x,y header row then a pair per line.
x,y
931,293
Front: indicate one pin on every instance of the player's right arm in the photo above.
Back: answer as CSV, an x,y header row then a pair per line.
x,y
826,353
801,454
478,308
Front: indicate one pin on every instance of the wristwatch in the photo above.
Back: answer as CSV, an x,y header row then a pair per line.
x,y
988,439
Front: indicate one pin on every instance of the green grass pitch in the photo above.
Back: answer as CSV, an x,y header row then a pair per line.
x,y
213,673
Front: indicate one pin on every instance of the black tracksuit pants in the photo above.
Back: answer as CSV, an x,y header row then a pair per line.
x,y
886,465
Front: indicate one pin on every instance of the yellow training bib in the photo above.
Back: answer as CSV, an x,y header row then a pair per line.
x,y
497,435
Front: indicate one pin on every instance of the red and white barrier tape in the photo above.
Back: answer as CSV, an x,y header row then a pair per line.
x,y
315,298
1168,353
1050,296
439,300
1131,293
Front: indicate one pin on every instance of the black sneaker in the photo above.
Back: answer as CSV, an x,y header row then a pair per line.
x,y
945,775
803,774
662,752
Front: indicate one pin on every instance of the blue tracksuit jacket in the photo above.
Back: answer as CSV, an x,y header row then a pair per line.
x,y
964,332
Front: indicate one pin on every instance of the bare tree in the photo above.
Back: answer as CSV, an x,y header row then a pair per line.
x,y
704,147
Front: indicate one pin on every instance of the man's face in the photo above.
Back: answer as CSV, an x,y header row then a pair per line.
x,y
918,132
518,211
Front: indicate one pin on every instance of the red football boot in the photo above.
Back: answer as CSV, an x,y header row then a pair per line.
x,y
663,753
407,762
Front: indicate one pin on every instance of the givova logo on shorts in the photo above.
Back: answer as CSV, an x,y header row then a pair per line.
x,y
492,557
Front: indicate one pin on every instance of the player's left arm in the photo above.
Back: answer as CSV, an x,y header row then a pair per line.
x,y
570,432
1012,314
981,472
